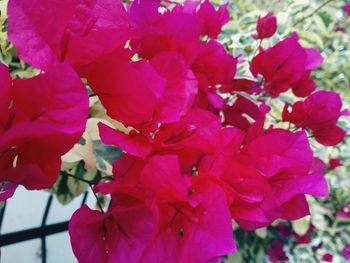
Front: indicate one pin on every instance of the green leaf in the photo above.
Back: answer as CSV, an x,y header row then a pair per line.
x,y
301,226
67,188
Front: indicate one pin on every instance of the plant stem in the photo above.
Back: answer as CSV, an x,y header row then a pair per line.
x,y
256,50
90,183
97,200
313,12
77,178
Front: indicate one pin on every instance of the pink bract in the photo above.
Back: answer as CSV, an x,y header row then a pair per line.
x,y
200,150
286,65
39,128
211,20
78,32
319,113
266,26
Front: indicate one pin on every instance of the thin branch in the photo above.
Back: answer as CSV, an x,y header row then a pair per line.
x,y
312,13
90,183
97,200
78,178
256,50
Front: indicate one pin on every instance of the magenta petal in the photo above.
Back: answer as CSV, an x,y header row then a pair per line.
x,y
290,213
28,175
7,190
44,126
162,176
119,235
135,144
314,59
5,98
211,21
330,137
313,184
119,84
48,101
266,26
180,90
346,249
78,31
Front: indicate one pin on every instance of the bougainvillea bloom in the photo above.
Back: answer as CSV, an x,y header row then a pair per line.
x,y
117,236
334,163
327,257
346,252
183,208
113,79
347,9
190,138
235,114
7,190
78,31
187,225
306,238
210,20
266,26
286,65
158,32
285,170
319,113
197,149
276,252
36,130
345,211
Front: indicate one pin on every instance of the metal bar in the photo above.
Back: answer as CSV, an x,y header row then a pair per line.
x,y
43,223
38,232
2,213
33,233
84,198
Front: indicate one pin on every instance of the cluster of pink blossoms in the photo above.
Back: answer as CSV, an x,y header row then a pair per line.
x,y
198,154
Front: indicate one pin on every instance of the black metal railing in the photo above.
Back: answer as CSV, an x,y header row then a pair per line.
x,y
39,232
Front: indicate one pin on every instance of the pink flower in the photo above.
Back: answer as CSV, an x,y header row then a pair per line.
x,y
214,63
346,252
306,238
77,32
181,87
286,169
120,235
156,32
196,228
284,230
287,65
334,163
266,26
119,84
319,113
267,181
276,253
7,190
192,216
327,257
212,66
345,211
37,129
347,8
318,165
210,20
189,139
235,114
